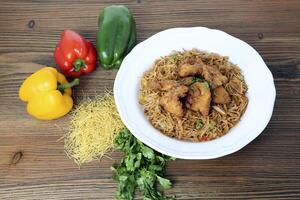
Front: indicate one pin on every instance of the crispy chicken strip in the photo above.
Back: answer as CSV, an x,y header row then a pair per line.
x,y
191,68
220,95
213,76
199,98
170,100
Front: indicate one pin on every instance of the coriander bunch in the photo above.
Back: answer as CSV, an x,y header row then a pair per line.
x,y
140,168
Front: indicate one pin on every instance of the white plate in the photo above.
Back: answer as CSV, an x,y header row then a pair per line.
x,y
258,77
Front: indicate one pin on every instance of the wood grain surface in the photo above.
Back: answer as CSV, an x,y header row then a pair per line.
x,y
33,164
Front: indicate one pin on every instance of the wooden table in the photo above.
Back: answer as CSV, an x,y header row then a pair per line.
x,y
33,164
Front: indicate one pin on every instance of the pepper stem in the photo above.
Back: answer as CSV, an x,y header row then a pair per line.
x,y
78,64
62,87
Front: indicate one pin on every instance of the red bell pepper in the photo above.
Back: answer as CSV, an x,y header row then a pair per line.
x,y
74,54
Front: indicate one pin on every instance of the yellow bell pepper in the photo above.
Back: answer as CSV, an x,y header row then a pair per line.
x,y
48,94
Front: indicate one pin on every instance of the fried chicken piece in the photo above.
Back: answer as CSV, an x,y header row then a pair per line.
x,y
191,68
170,100
164,85
187,81
195,66
220,95
213,76
199,98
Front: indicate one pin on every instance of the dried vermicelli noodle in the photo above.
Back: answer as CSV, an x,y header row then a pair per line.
x,y
94,125
193,126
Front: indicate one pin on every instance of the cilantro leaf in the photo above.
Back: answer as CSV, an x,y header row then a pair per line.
x,y
197,79
141,168
165,183
147,152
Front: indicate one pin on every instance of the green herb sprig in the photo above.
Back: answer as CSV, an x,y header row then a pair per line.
x,y
197,79
140,168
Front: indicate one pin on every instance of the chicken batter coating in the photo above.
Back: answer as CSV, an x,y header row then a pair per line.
x,y
191,68
199,98
170,100
213,76
187,81
220,95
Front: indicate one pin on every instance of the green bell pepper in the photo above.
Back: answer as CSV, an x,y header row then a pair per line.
x,y
116,35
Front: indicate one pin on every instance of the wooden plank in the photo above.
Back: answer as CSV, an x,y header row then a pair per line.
x,y
33,164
